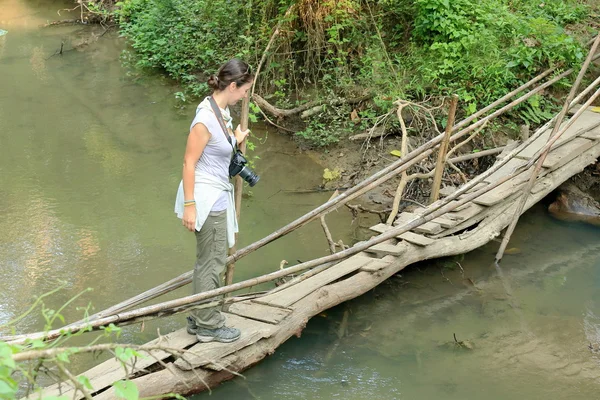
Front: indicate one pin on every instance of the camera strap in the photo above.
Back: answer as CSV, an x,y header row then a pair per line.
x,y
217,112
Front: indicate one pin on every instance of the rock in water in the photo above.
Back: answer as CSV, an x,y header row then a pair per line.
x,y
572,204
3,32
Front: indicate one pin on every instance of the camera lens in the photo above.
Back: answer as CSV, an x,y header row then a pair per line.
x,y
249,176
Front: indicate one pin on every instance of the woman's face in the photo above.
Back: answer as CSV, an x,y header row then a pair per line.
x,y
236,93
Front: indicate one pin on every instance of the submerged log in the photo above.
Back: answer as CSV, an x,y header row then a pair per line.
x,y
572,204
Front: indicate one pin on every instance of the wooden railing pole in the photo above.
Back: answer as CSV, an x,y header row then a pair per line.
x,y
238,186
441,160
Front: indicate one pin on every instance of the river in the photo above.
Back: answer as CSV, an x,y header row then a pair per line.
x,y
90,159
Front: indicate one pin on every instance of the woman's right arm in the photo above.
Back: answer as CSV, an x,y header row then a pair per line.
x,y
196,143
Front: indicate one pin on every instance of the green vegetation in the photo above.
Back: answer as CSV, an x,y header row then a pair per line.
x,y
22,365
393,49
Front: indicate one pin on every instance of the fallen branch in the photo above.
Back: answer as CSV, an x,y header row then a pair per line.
x,y
285,113
61,22
479,154
372,133
326,228
467,140
458,171
271,122
403,180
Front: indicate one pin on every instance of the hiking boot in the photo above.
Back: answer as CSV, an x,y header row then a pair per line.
x,y
191,326
223,334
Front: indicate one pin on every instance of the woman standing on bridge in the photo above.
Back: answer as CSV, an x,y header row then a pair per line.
x,y
205,201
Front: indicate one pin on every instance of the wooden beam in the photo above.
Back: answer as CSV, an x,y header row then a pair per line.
x,y
439,168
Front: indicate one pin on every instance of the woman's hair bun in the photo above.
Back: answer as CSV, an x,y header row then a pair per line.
x,y
213,82
234,70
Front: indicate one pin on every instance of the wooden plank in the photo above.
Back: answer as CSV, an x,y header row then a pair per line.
x,y
505,170
289,296
562,155
430,228
417,239
384,249
487,211
477,187
259,312
445,222
470,210
577,107
210,353
593,134
586,122
378,264
501,192
105,374
410,237
540,185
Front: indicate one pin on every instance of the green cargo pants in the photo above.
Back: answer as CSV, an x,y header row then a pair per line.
x,y
211,257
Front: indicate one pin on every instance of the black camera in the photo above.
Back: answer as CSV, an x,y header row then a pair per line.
x,y
238,166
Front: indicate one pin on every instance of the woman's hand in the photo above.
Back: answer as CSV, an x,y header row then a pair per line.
x,y
241,135
189,218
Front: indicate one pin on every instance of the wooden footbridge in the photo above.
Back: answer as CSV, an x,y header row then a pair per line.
x,y
470,217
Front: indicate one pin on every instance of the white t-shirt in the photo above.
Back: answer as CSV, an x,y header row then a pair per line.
x,y
216,157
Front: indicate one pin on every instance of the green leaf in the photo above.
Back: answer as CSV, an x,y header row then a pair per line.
x,y
85,382
64,357
126,390
37,344
396,153
6,389
124,354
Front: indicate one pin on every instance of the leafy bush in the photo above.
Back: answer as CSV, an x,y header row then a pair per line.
x,y
412,49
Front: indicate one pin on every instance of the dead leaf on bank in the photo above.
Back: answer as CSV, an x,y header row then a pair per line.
x,y
331,175
354,116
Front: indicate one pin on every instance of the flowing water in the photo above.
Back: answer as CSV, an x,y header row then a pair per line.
x,y
90,158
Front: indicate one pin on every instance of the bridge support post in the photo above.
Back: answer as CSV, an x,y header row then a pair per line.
x,y
441,160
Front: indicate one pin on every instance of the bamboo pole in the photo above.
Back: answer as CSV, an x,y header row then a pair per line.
x,y
238,187
439,168
553,137
367,184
